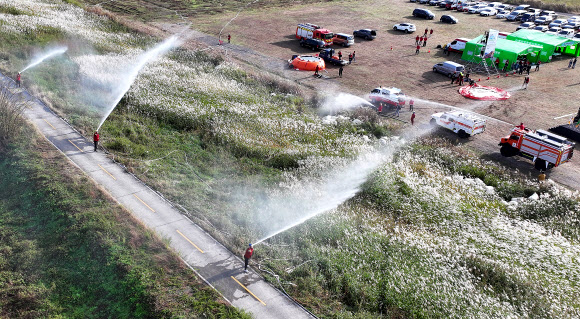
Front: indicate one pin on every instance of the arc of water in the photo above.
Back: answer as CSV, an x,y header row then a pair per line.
x,y
48,55
145,58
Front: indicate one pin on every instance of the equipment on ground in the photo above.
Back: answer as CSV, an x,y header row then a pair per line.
x,y
544,149
464,124
306,63
328,56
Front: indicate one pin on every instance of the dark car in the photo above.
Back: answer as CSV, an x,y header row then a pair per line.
x,y
423,13
368,34
314,44
443,4
448,19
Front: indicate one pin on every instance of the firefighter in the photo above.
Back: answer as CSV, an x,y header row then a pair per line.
x,y
426,30
340,71
316,70
247,256
96,139
453,77
340,55
353,56
349,58
18,79
418,48
425,41
431,32
521,126
460,79
411,105
413,118
416,40
526,81
229,38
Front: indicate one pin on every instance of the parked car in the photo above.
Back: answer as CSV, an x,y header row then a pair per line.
x,y
423,1
314,44
346,40
443,4
552,14
448,19
502,14
434,2
488,12
529,17
476,8
554,30
413,0
516,15
541,28
526,25
574,18
407,27
423,13
577,36
566,33
534,10
505,7
367,34
448,68
571,25
522,7
557,23
543,20
464,5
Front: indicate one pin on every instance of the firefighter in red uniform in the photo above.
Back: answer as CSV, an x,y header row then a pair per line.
x,y
413,119
96,139
521,126
247,256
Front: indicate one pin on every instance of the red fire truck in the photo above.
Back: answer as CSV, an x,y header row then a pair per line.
x,y
544,149
309,31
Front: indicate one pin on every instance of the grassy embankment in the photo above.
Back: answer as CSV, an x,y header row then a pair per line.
x,y
68,250
420,240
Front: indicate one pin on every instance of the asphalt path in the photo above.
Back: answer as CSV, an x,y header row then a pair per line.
x,y
208,258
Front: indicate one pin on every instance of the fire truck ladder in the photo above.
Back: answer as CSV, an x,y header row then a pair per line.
x,y
482,67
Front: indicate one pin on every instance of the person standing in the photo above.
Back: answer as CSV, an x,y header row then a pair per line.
x,y
413,118
424,41
526,81
426,30
380,107
398,109
353,56
340,71
96,139
340,55
349,58
418,48
316,70
18,79
529,68
460,79
229,38
411,105
538,66
574,63
570,63
431,32
446,50
417,40
247,256
420,40
453,76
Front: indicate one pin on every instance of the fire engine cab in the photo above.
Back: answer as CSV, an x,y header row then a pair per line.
x,y
464,124
309,31
391,97
544,149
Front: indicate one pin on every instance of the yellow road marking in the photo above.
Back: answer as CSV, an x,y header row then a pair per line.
x,y
76,146
143,203
107,171
54,128
194,245
248,290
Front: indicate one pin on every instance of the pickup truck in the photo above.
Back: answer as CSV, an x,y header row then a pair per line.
x,y
328,56
314,44
368,34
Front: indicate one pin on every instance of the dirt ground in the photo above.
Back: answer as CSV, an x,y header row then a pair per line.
x,y
264,38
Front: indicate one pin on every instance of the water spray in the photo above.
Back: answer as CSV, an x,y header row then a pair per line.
x,y
49,54
237,14
142,60
460,109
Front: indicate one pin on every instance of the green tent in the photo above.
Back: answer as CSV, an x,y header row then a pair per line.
x,y
504,50
551,44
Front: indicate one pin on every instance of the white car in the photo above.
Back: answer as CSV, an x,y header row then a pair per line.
x,y
571,25
488,12
554,30
543,20
502,14
541,28
407,27
566,33
476,8
557,23
573,19
526,25
577,36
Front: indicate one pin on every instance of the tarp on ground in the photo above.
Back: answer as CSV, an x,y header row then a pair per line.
x,y
504,50
551,44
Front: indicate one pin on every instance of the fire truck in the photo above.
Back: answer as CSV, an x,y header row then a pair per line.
x,y
544,149
464,124
309,31
390,97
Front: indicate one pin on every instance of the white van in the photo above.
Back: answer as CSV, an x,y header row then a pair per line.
x,y
457,45
343,39
448,68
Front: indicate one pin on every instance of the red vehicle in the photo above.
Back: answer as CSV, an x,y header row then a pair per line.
x,y
310,31
544,149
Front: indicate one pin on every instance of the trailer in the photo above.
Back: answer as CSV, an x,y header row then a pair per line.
x,y
543,148
313,31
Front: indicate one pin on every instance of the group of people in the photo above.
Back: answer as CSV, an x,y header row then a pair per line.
x,y
422,40
523,65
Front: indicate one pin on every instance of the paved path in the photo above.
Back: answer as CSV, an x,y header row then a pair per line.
x,y
208,258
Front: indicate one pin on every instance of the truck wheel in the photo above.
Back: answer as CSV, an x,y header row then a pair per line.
x,y
507,151
462,134
433,122
367,38
540,164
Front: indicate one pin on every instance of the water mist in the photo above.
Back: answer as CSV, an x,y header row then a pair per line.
x,y
131,75
47,55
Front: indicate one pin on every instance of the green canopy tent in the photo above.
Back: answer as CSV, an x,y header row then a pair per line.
x,y
504,50
551,44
